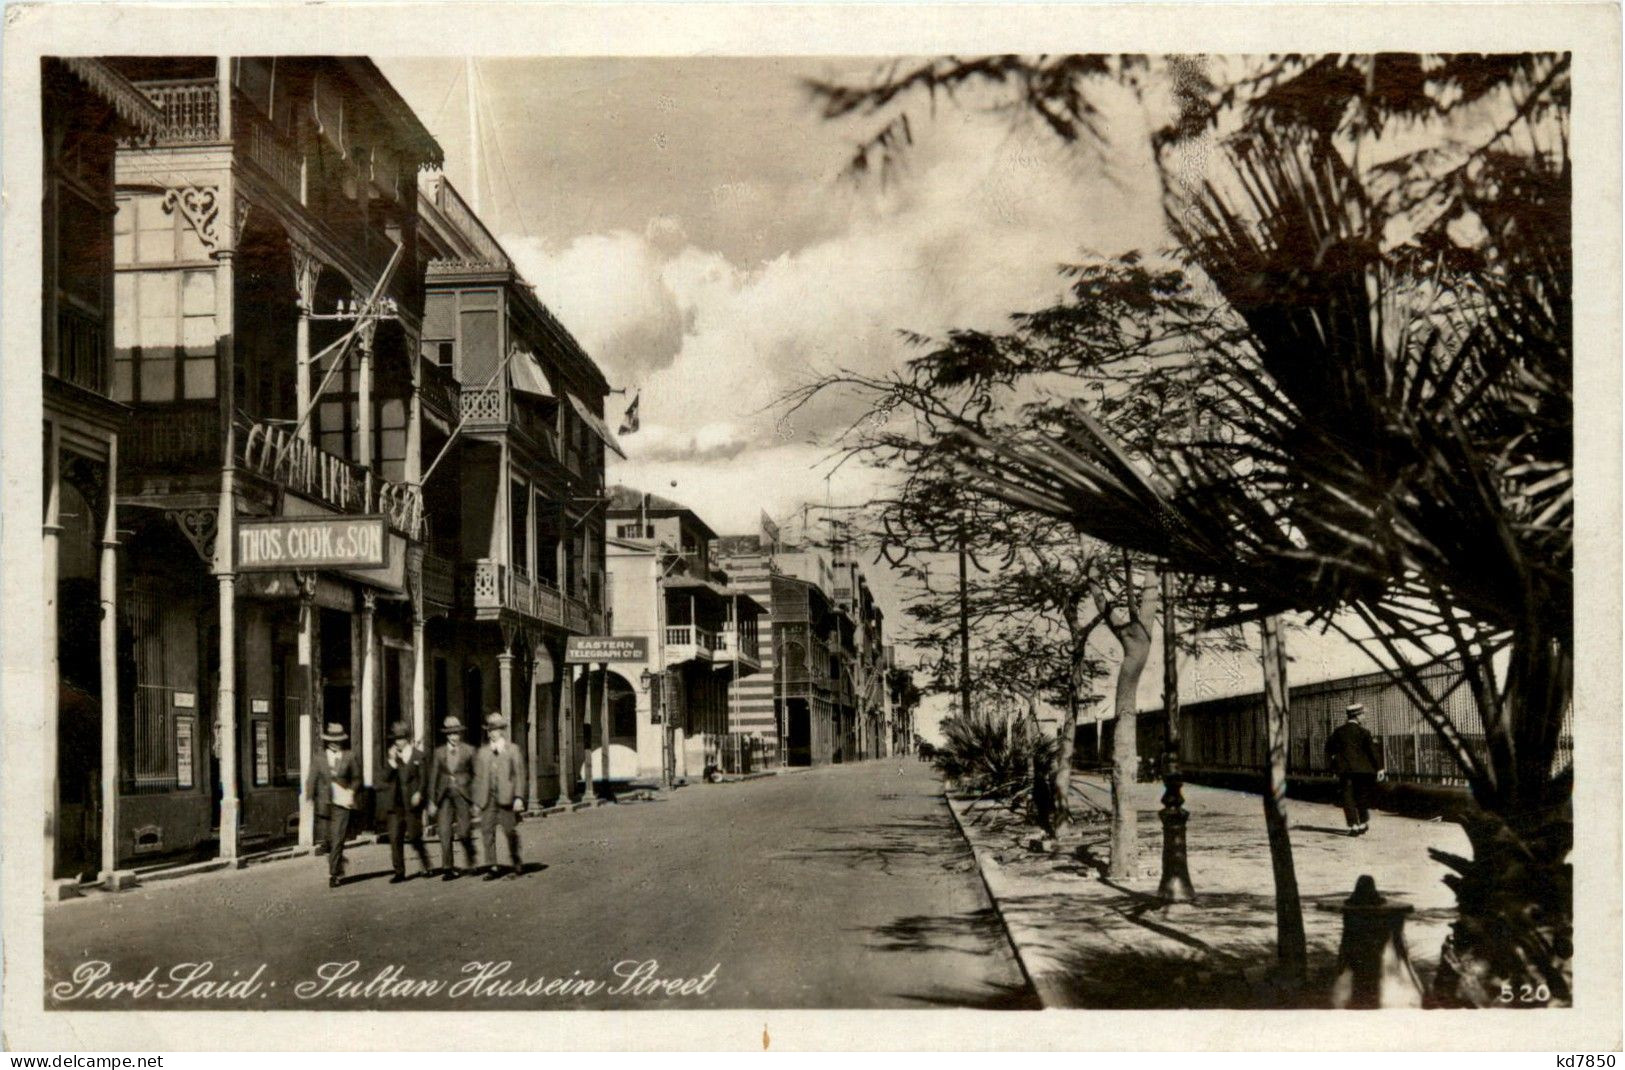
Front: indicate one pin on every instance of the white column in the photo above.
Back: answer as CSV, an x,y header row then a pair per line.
x,y
369,601
364,398
603,718
533,793
307,709
226,528
109,666
306,270
420,711
590,792
565,719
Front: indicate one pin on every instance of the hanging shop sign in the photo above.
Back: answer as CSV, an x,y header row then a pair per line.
x,y
285,543
590,649
281,456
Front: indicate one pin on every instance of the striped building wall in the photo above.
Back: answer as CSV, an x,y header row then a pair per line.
x,y
750,700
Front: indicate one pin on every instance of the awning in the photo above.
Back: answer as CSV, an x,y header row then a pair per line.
x,y
528,375
597,424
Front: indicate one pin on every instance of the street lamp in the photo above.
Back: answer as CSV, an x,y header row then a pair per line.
x,y
1176,878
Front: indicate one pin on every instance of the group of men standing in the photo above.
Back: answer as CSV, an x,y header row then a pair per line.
x,y
456,786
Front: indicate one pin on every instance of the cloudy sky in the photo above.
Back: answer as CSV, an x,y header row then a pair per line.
x,y
689,221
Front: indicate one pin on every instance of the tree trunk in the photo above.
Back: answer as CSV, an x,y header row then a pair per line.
x,y
1043,784
1061,775
1513,940
1291,951
1135,639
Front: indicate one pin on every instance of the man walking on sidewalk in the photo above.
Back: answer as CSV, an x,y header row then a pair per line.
x,y
333,781
451,794
400,796
1352,754
499,786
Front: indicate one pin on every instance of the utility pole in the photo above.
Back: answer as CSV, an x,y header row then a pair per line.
x,y
473,136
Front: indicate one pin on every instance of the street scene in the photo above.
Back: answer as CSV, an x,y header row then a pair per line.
x,y
997,533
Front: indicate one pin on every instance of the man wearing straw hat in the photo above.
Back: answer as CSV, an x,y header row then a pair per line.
x,y
499,793
333,781
451,793
1352,754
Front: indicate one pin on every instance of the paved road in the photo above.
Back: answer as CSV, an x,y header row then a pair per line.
x,y
839,887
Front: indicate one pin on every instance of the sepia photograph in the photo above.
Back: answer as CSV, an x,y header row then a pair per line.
x,y
1083,530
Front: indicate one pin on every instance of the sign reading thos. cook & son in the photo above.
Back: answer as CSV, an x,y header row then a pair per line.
x,y
587,649
287,543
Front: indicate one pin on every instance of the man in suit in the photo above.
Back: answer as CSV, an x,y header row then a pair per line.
x,y
1353,756
451,793
499,792
400,796
334,778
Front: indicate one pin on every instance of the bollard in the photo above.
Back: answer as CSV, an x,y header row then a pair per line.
x,y
1373,967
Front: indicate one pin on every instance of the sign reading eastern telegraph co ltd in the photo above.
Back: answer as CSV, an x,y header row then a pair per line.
x,y
586,649
287,543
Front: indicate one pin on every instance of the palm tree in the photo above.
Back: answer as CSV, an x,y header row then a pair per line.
x,y
1398,441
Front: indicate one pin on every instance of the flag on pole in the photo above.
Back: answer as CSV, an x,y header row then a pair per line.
x,y
629,422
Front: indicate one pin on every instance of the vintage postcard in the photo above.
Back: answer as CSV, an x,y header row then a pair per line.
x,y
896,527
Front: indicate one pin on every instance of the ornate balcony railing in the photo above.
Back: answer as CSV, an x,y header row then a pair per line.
x,y
482,585
484,408
490,585
191,109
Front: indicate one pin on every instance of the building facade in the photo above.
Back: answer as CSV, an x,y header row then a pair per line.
x,y
266,342
702,635
515,534
87,106
754,727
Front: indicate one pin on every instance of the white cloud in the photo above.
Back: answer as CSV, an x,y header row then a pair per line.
x,y
972,230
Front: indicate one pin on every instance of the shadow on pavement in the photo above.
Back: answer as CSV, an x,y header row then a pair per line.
x,y
359,878
882,845
988,997
969,932
1341,833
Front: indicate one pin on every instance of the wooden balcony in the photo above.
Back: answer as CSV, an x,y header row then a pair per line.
x,y
489,588
685,642
484,410
742,650
190,107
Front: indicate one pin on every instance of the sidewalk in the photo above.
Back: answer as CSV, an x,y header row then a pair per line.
x,y
1089,942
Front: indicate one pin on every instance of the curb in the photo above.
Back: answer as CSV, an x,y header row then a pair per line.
x,y
982,864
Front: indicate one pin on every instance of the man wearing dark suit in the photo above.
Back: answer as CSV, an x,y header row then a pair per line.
x,y
451,793
1352,754
400,796
499,792
334,779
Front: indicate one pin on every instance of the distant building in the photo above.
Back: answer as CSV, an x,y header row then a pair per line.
x,y
831,699
703,634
